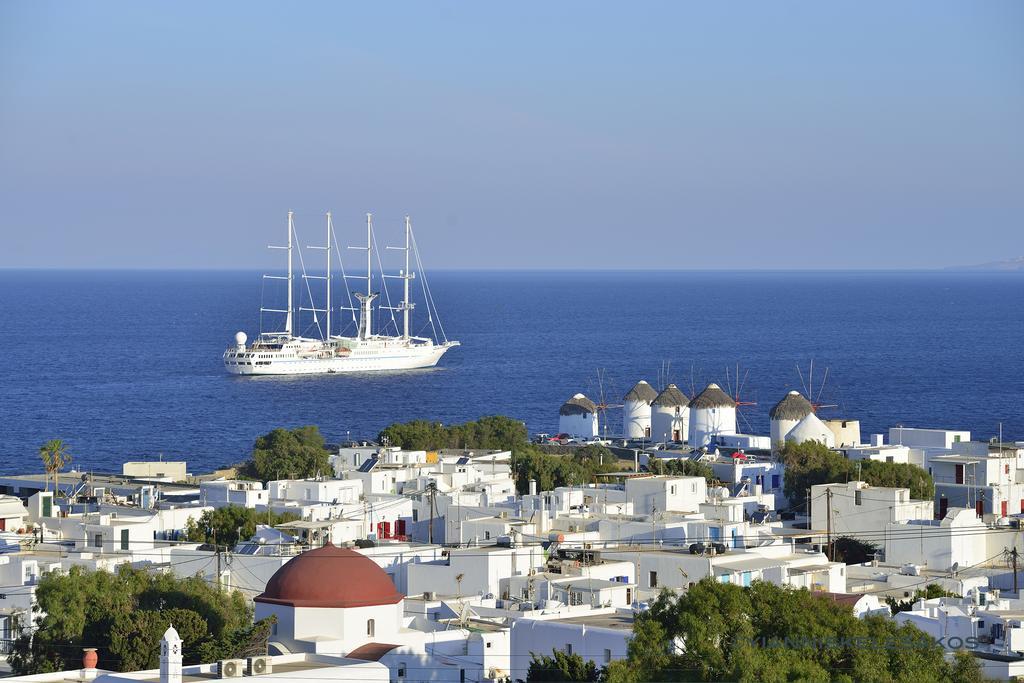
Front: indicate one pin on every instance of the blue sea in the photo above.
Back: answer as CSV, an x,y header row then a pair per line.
x,y
126,364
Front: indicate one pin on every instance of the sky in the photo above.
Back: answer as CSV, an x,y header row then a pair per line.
x,y
517,135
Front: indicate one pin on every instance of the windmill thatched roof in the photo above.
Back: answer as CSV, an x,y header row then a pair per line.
x,y
641,391
578,405
792,407
671,397
712,397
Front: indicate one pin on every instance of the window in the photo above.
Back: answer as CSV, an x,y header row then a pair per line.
x,y
487,535
607,655
415,515
124,539
488,643
956,438
401,670
98,540
568,648
652,580
369,627
672,490
857,497
462,676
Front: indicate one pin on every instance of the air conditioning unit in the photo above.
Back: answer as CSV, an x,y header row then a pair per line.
x,y
231,668
260,665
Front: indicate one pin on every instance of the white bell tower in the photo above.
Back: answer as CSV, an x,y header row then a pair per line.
x,y
170,657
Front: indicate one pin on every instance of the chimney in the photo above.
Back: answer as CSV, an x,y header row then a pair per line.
x,y
89,661
170,657
533,487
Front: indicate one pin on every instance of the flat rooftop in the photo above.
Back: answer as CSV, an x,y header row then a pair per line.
x,y
617,620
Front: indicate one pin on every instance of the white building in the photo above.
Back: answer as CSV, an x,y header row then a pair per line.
x,y
712,413
636,411
958,540
859,508
846,432
811,428
652,494
785,415
578,417
224,492
599,636
670,415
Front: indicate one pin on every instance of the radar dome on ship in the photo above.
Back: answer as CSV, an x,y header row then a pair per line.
x,y
785,415
712,412
670,415
240,338
636,411
578,416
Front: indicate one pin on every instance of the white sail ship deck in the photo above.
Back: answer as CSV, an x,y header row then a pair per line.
x,y
284,353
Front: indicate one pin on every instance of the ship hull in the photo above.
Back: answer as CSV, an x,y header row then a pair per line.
x,y
398,359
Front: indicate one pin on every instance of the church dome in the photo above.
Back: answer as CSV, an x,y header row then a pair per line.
x,y
330,577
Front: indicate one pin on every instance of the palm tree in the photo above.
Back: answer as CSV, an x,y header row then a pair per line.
x,y
54,454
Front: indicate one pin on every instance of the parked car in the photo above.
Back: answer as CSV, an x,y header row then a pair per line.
x,y
598,441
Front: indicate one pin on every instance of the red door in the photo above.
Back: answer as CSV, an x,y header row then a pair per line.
x,y
400,528
383,529
959,474
1002,508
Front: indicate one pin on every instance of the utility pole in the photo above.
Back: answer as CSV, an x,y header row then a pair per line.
x,y
1013,559
828,525
431,492
216,548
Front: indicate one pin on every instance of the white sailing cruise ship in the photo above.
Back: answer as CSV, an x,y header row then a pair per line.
x,y
286,353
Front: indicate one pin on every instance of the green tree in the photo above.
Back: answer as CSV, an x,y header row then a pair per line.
x,y
898,475
123,614
493,432
681,468
561,667
929,592
765,632
853,551
55,456
289,454
232,523
811,463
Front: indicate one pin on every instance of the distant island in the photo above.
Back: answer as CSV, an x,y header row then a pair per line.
x,y
1007,264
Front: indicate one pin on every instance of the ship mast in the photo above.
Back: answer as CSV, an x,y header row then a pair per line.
x,y
405,306
330,229
366,300
405,282
288,318
287,311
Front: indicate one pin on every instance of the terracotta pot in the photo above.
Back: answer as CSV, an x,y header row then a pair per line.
x,y
90,658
